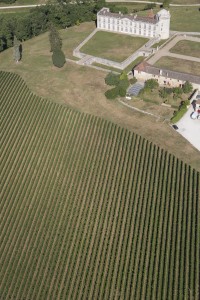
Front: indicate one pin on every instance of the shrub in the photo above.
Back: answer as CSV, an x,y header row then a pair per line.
x,y
132,80
112,93
58,58
124,83
177,91
112,79
187,87
123,76
163,93
151,84
179,114
122,92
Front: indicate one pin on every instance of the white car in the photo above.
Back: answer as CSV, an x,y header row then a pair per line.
x,y
194,115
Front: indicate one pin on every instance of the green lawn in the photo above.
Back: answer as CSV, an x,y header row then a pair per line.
x,y
187,48
179,65
113,46
182,18
185,19
73,36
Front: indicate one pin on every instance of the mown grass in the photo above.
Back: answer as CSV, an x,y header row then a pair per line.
x,y
189,48
113,46
179,65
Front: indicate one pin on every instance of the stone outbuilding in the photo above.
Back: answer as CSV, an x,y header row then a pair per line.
x,y
145,71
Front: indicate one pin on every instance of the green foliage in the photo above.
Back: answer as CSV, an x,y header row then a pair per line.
x,y
163,93
187,87
166,3
132,80
16,50
112,93
74,185
63,14
123,76
7,1
120,82
123,83
179,114
112,79
121,91
151,84
54,38
177,90
58,58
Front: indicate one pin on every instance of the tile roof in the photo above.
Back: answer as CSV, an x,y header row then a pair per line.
x,y
107,13
147,68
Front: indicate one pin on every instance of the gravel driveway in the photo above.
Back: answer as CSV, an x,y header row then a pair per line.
x,y
190,129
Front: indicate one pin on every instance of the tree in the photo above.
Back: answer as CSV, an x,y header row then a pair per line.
x,y
54,38
163,93
166,3
112,79
16,50
58,58
187,87
112,93
151,84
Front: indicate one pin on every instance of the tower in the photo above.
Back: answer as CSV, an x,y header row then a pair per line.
x,y
164,23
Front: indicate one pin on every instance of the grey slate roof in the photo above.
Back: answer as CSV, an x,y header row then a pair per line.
x,y
105,12
147,68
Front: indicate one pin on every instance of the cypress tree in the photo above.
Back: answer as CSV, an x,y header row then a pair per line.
x,y
16,50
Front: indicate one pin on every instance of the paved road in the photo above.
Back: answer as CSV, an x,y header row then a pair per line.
x,y
165,50
190,128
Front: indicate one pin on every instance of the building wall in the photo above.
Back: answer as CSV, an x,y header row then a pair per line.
x,y
125,25
163,81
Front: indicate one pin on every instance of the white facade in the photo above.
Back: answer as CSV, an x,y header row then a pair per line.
x,y
155,26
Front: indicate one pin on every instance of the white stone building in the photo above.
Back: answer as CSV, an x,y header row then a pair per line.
x,y
152,26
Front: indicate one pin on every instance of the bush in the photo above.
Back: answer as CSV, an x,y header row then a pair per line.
x,y
122,92
151,84
112,79
124,83
58,58
187,87
112,94
179,114
132,80
163,93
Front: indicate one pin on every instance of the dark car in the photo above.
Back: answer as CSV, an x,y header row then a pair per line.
x,y
175,127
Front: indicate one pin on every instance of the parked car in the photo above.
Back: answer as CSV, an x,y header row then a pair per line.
x,y
194,115
128,97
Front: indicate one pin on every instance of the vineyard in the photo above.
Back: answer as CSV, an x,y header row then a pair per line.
x,y
89,210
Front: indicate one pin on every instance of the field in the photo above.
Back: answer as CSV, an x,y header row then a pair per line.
x,y
117,2
113,46
187,48
83,88
88,209
180,16
176,64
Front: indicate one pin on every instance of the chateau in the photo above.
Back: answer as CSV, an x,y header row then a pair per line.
x,y
151,26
